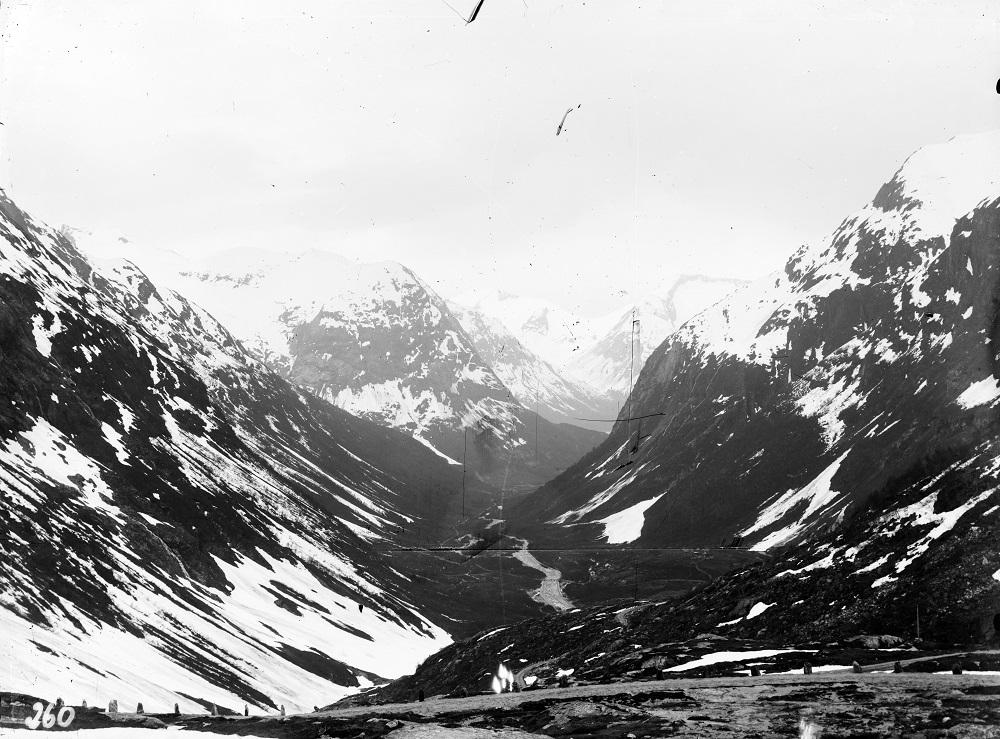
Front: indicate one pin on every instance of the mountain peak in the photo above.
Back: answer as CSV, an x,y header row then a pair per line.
x,y
938,183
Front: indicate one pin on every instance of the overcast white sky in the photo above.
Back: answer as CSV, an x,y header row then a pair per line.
x,y
713,137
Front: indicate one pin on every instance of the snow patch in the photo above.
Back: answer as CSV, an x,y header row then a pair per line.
x,y
434,449
112,436
979,393
44,449
818,497
758,609
626,526
717,657
43,336
922,513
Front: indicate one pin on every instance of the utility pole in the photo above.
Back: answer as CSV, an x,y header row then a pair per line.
x,y
918,620
465,457
536,420
631,372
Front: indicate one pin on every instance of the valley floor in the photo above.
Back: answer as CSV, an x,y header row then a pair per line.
x,y
828,705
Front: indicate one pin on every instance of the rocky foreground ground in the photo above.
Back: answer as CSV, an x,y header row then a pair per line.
x,y
873,704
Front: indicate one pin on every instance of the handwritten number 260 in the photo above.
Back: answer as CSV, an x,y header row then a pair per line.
x,y
44,719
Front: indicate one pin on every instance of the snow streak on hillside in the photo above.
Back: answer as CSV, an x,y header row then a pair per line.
x,y
865,370
181,525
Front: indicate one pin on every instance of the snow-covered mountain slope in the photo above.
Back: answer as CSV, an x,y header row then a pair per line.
x,y
612,361
376,341
180,523
549,331
854,392
597,354
534,382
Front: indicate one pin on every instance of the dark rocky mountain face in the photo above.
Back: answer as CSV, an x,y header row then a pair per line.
x,y
848,403
445,391
181,524
375,340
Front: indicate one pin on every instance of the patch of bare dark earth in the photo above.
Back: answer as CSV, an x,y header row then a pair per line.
x,y
913,705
